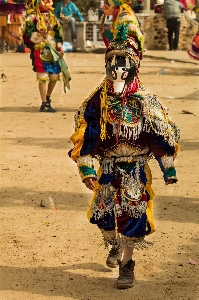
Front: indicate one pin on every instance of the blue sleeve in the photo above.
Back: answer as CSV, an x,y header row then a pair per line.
x,y
57,10
77,12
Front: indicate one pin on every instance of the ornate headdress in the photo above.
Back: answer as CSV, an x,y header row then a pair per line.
x,y
39,6
125,23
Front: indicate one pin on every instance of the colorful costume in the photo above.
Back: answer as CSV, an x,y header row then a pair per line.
x,y
43,35
193,51
124,21
38,21
123,125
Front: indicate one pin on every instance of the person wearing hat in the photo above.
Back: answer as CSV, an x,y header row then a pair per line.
x,y
123,125
158,7
172,9
41,32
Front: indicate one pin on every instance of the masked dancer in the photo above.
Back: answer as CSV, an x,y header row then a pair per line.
x,y
123,125
41,34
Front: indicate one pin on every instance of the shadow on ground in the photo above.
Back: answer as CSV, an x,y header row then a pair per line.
x,y
183,209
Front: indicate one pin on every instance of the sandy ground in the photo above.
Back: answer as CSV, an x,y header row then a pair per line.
x,y
56,254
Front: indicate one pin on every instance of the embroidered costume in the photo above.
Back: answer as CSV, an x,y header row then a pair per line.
x,y
123,136
193,51
43,35
37,21
123,125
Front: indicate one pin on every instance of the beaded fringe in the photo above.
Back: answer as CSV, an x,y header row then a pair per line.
x,y
109,238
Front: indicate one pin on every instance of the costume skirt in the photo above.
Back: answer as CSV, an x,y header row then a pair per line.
x,y
123,201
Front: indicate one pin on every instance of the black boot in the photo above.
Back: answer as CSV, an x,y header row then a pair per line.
x,y
45,107
48,100
126,275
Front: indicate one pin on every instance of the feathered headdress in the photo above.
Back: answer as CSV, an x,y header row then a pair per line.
x,y
37,7
125,22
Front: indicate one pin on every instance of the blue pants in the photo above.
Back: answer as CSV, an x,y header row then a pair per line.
x,y
73,28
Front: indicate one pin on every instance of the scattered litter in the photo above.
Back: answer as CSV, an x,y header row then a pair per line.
x,y
88,44
29,103
48,223
172,61
192,262
47,203
63,263
160,72
170,97
187,112
68,47
3,75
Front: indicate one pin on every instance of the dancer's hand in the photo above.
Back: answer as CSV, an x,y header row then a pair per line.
x,y
44,34
102,29
61,54
90,183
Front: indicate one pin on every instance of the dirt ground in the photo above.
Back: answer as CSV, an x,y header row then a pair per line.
x,y
55,254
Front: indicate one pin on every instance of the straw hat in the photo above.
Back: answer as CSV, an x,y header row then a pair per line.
x,y
159,2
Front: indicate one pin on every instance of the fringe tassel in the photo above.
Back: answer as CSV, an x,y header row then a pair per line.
x,y
104,110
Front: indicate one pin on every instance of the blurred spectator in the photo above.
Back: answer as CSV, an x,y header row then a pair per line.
x,y
100,9
64,11
172,9
137,6
158,7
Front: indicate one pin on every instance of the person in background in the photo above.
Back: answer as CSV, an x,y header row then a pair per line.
x,y
158,7
193,51
65,10
42,32
137,6
100,9
172,9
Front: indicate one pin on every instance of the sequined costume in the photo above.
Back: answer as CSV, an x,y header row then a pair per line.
x,y
135,130
123,125
193,51
38,21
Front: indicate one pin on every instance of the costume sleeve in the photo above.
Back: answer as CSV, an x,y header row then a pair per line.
x,y
165,155
29,31
163,137
86,167
86,135
105,39
77,12
58,33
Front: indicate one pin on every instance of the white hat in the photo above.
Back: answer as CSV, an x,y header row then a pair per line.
x,y
159,2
